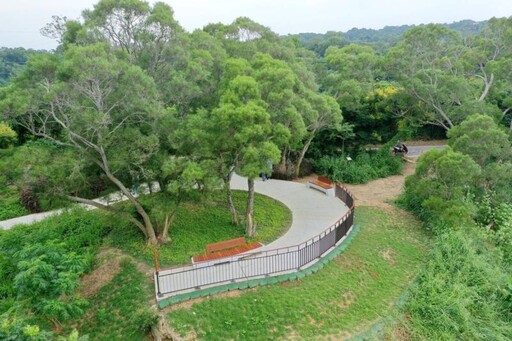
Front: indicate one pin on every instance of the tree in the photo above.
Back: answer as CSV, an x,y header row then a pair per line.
x,y
326,113
235,136
98,105
281,91
488,145
427,63
481,138
440,186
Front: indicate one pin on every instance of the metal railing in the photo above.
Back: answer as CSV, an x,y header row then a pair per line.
x,y
247,266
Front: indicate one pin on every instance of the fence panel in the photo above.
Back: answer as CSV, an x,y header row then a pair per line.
x,y
174,281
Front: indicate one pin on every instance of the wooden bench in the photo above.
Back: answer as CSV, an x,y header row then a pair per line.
x,y
225,245
324,185
225,248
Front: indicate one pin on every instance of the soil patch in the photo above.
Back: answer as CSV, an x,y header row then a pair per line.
x,y
109,260
380,192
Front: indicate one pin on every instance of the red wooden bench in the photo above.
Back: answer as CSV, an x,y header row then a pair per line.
x,y
323,184
225,248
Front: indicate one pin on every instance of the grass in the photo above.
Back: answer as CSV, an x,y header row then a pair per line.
x,y
120,311
10,204
344,298
200,223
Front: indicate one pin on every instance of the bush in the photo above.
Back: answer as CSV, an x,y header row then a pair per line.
x,y
362,169
144,319
7,136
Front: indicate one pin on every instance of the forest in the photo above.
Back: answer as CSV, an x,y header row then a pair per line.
x,y
131,101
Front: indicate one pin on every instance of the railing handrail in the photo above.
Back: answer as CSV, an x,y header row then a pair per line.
x,y
326,231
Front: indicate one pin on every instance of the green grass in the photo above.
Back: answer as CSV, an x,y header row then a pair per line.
x,y
10,205
200,223
344,298
120,309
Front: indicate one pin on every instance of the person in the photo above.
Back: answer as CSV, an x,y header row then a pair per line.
x,y
265,175
397,148
405,150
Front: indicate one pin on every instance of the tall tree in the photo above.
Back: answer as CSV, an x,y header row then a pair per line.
x,y
102,107
244,137
427,62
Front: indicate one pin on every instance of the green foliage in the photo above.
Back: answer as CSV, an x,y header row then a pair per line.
x,y
360,285
461,293
37,269
362,169
16,329
198,223
47,270
440,188
7,136
481,138
12,62
10,205
36,173
119,310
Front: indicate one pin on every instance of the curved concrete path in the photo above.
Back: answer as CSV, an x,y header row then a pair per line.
x,y
312,211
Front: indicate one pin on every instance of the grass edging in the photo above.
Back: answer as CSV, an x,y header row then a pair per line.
x,y
265,281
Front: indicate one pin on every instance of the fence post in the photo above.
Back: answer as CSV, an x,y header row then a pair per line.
x,y
157,270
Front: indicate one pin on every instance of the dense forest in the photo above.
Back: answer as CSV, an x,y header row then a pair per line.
x,y
380,39
130,98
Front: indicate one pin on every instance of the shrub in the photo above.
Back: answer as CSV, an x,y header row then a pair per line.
x,y
363,168
7,136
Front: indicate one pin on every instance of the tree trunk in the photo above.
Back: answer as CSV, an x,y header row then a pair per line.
x,y
488,84
150,230
281,167
303,153
250,229
232,209
164,237
111,210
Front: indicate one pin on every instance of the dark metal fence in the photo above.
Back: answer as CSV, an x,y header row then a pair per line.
x,y
179,280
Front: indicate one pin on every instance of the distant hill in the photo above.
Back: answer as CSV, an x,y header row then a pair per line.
x,y
393,33
380,39
12,61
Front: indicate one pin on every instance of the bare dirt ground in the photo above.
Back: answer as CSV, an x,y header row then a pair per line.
x,y
377,193
380,192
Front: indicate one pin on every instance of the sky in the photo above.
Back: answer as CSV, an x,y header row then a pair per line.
x,y
21,20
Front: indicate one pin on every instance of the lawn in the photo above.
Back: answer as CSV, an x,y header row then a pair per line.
x,y
344,298
197,224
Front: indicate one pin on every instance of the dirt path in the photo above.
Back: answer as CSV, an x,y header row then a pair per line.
x,y
379,193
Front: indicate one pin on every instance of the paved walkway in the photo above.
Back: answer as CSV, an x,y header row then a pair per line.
x,y
416,151
312,210
107,200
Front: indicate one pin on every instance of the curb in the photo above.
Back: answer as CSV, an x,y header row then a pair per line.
x,y
264,281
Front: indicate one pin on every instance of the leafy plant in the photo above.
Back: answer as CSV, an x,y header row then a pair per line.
x,y
363,168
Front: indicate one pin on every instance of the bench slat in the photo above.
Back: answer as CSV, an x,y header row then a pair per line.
x,y
225,244
321,184
228,253
325,180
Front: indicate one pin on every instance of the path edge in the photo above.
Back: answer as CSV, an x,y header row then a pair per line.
x,y
265,281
